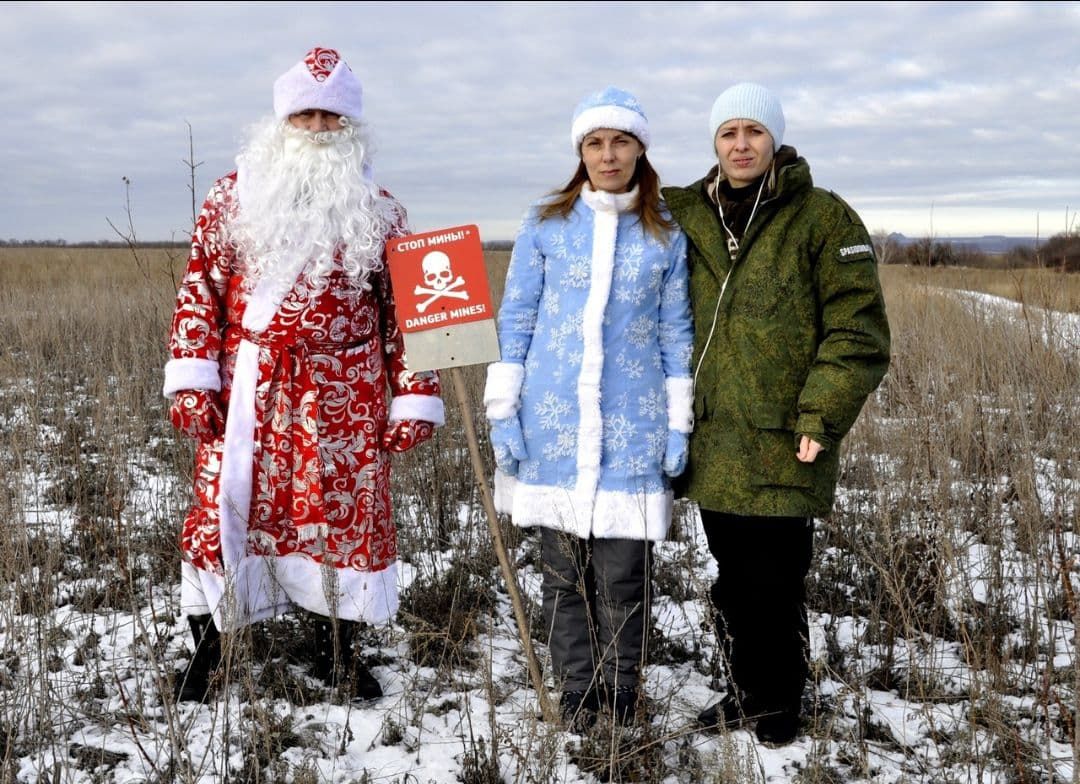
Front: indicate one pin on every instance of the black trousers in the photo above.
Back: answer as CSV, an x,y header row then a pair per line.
x,y
596,604
760,602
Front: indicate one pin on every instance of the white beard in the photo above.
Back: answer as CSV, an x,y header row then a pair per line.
x,y
307,203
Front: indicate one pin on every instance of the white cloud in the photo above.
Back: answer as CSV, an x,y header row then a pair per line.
x,y
471,102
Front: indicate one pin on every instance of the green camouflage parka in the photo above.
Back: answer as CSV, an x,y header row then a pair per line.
x,y
801,339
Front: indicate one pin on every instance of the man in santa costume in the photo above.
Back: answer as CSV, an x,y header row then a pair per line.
x,y
284,350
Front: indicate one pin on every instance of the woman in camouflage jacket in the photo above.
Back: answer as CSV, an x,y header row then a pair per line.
x,y
791,338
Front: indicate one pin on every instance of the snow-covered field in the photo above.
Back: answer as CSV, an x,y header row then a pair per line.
x,y
943,608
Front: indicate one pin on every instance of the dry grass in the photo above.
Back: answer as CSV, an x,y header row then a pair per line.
x,y
1037,287
946,574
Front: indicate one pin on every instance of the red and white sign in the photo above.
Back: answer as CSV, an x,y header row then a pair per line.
x,y
439,279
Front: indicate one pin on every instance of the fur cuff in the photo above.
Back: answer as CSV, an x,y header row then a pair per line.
x,y
502,393
680,404
191,373
503,496
426,407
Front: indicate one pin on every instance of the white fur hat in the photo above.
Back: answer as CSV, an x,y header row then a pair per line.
x,y
321,80
609,108
749,101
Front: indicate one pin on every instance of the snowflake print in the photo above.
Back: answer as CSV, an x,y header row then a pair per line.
x,y
636,465
557,337
629,263
619,431
558,249
685,354
657,444
550,303
514,349
673,293
550,410
578,274
652,404
656,275
536,259
564,445
632,369
630,295
524,321
641,331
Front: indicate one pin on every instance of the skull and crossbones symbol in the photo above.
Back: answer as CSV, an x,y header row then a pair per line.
x,y
438,277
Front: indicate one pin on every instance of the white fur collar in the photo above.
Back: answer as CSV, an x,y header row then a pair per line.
x,y
605,201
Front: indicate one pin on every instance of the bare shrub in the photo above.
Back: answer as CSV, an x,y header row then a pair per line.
x,y
945,578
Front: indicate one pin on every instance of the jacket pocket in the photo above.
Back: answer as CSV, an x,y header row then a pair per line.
x,y
774,450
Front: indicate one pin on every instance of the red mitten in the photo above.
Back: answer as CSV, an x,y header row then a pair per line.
x,y
197,414
407,433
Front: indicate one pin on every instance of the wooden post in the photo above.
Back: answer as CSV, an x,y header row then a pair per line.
x,y
500,549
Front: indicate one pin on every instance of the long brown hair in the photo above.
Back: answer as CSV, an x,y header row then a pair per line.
x,y
648,201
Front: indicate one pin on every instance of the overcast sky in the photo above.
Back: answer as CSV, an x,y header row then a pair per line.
x,y
951,119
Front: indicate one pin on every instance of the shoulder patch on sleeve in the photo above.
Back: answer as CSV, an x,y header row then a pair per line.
x,y
856,252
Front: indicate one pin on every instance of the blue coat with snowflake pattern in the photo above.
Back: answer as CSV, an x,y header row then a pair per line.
x,y
597,312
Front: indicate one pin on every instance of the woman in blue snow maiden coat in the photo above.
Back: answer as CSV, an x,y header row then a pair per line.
x,y
591,404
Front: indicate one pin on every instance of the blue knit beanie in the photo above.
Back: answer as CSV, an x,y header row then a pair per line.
x,y
609,108
749,101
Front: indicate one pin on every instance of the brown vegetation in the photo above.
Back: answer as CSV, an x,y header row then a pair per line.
x,y
947,574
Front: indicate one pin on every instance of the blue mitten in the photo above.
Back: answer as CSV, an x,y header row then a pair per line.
x,y
508,444
678,448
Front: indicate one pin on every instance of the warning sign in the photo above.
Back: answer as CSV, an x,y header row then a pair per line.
x,y
439,279
442,299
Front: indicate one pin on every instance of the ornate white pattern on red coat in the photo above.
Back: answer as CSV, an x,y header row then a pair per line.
x,y
319,480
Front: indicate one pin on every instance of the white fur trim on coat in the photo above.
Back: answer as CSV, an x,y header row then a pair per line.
x,y
610,514
680,403
502,392
426,407
590,420
191,373
263,587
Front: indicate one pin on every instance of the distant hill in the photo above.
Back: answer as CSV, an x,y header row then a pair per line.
x,y
991,243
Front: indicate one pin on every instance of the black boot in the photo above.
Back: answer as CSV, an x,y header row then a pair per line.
x,y
579,709
326,664
337,665
732,712
194,683
626,705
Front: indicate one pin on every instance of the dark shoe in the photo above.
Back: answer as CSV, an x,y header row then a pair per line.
x,y
579,709
332,650
624,706
778,728
194,684
362,684
730,713
336,664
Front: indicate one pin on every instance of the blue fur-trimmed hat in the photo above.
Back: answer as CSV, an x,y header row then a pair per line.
x,y
749,101
609,108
